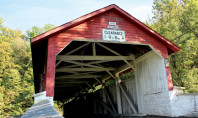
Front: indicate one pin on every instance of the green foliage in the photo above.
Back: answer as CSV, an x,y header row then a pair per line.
x,y
177,21
110,82
128,75
35,31
16,74
58,105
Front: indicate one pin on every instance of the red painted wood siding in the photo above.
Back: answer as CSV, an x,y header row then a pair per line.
x,y
92,29
50,72
169,78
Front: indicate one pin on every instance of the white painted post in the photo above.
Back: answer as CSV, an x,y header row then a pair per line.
x,y
104,95
128,99
119,105
103,86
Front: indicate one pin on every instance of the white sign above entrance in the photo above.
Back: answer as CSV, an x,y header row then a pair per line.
x,y
113,35
112,23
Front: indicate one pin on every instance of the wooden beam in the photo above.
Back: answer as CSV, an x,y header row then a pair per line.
x,y
110,100
89,85
105,47
71,82
114,52
94,48
118,95
129,64
122,68
97,62
93,62
58,63
111,74
142,50
94,88
106,94
69,85
124,92
82,64
105,106
74,50
77,76
65,85
83,69
77,57
79,73
97,80
128,99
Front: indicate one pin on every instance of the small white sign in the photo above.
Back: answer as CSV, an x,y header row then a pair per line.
x,y
112,23
113,35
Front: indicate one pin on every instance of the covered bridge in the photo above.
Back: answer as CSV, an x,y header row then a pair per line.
x,y
87,53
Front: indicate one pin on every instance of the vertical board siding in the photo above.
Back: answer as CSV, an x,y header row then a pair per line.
x,y
131,90
112,91
152,85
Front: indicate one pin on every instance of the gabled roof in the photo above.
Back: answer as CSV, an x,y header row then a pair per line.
x,y
172,47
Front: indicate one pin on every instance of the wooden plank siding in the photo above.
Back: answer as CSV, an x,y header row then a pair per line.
x,y
50,72
92,29
150,80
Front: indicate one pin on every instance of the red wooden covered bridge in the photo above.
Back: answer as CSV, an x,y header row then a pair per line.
x,y
97,48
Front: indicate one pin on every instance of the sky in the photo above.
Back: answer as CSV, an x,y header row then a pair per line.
x,y
24,14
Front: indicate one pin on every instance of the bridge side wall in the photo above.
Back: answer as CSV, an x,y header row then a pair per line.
x,y
152,85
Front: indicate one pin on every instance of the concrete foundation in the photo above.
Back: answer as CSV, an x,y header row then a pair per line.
x,y
183,104
39,97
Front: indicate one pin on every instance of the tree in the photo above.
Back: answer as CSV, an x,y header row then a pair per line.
x,y
16,76
177,21
16,73
34,31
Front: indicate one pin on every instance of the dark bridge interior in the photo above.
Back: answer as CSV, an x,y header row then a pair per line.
x,y
84,65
